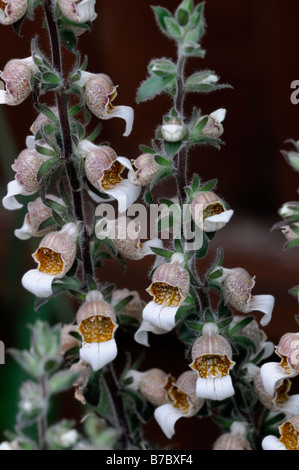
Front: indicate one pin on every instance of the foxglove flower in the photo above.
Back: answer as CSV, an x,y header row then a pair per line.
x,y
212,361
125,234
103,170
214,127
17,75
25,183
12,11
151,383
209,212
289,437
273,373
173,131
144,170
182,402
78,11
169,287
37,212
55,256
235,439
237,286
99,94
96,321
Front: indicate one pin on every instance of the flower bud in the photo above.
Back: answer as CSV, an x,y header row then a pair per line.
x,y
12,11
211,354
213,127
233,440
78,11
238,284
173,131
42,120
151,383
145,168
80,384
17,76
209,211
96,321
99,94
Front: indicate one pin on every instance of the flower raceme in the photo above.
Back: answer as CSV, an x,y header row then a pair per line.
x,y
96,322
55,256
209,212
16,75
99,94
12,11
103,170
212,361
78,11
237,285
169,287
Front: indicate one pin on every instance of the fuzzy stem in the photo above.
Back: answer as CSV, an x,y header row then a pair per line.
x,y
42,420
68,154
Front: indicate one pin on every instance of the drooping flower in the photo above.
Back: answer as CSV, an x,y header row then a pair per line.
x,y
55,256
25,183
214,127
273,373
237,286
17,75
125,234
289,437
96,321
212,361
12,11
144,169
169,287
235,439
173,131
182,402
209,211
103,170
78,11
150,383
37,212
99,94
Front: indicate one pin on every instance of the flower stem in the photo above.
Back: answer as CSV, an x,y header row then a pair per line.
x,y
68,152
42,420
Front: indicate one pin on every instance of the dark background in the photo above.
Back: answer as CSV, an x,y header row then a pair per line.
x,y
253,46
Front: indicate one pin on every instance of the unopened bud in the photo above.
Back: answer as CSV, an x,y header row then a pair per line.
x,y
173,131
17,75
213,127
12,11
233,440
78,11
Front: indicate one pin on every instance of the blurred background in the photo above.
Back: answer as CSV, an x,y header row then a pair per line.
x,y
252,46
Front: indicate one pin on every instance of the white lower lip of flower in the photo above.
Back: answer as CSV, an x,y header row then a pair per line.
x,y
4,97
268,348
160,316
291,406
272,373
38,283
219,114
264,304
125,193
5,446
145,249
24,232
9,201
123,112
166,416
272,443
98,355
86,11
218,388
141,335
217,221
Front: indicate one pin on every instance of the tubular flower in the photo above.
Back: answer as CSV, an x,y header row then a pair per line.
x,y
55,256
96,321
125,234
78,11
173,131
169,287
25,183
237,285
99,94
214,127
37,212
279,400
151,384
182,402
209,212
289,433
211,354
235,439
273,373
103,170
12,11
144,169
17,75
134,308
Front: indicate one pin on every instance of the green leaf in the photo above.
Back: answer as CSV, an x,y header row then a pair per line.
x,y
162,67
209,186
145,149
163,161
49,152
120,305
61,381
182,17
172,28
68,39
47,223
187,5
51,77
239,326
161,14
47,112
162,252
48,166
152,86
162,174
171,148
195,132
